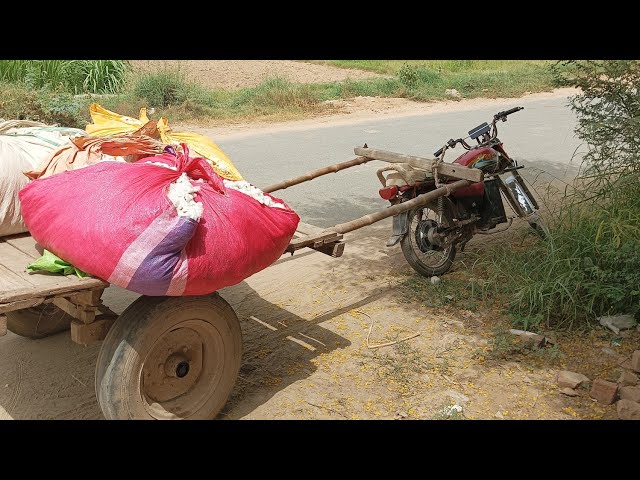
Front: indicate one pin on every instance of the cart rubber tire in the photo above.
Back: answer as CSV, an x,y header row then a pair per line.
x,y
169,358
38,322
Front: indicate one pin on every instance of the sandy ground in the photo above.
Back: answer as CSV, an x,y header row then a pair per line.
x,y
234,74
305,323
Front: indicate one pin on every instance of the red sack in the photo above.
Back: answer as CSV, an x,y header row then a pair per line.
x,y
117,222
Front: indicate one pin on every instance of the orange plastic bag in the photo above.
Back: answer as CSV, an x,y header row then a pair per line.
x,y
107,123
84,151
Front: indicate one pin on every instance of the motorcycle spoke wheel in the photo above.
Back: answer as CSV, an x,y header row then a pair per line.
x,y
424,260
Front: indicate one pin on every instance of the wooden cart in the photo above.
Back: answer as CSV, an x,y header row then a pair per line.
x,y
168,357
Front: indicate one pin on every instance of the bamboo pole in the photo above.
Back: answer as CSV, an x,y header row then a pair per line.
x,y
400,208
315,174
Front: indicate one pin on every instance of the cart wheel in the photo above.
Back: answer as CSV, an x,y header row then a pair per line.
x,y
169,358
38,322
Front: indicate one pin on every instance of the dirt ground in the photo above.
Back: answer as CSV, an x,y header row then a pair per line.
x,y
362,108
234,74
308,323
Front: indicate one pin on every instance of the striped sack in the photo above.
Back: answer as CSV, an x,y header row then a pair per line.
x,y
165,225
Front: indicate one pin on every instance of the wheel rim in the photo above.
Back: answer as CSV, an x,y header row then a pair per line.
x,y
182,369
430,258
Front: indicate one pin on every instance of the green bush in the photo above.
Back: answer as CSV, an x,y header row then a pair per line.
x,y
590,264
276,94
408,76
46,105
162,89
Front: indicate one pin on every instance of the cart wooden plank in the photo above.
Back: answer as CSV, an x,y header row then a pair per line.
x,y
26,244
10,281
17,284
16,261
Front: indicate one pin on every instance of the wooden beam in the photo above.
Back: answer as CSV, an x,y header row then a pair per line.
x,y
335,249
88,297
19,305
314,241
323,240
84,313
86,334
16,294
460,172
423,163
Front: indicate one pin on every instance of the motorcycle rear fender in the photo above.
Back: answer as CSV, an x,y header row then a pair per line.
x,y
400,228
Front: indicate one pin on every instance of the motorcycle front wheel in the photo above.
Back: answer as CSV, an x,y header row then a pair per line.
x,y
539,226
425,258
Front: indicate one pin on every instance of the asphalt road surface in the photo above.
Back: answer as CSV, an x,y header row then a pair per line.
x,y
541,137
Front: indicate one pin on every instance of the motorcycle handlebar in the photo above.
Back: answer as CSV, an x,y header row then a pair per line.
x,y
507,112
452,143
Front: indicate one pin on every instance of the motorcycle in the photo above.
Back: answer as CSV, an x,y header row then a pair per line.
x,y
430,235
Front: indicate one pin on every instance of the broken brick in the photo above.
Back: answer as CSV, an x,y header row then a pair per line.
x,y
604,391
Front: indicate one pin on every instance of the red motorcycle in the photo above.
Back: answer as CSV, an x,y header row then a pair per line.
x,y
429,235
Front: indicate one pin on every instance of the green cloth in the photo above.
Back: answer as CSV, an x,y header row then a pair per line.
x,y
50,263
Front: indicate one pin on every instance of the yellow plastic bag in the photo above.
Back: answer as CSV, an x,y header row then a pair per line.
x,y
107,123
203,146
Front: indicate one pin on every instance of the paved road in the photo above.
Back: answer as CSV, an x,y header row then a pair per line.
x,y
541,136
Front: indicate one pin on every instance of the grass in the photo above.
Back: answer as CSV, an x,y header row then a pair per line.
x,y
45,105
276,99
588,266
392,67
503,345
399,367
72,76
456,290
429,79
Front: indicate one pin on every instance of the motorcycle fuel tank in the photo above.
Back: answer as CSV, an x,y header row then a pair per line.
x,y
485,159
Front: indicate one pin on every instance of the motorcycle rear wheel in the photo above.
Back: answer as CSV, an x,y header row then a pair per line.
x,y
433,262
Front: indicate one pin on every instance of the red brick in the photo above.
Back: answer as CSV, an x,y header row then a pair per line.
x,y
627,379
628,410
571,379
603,391
635,361
630,393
